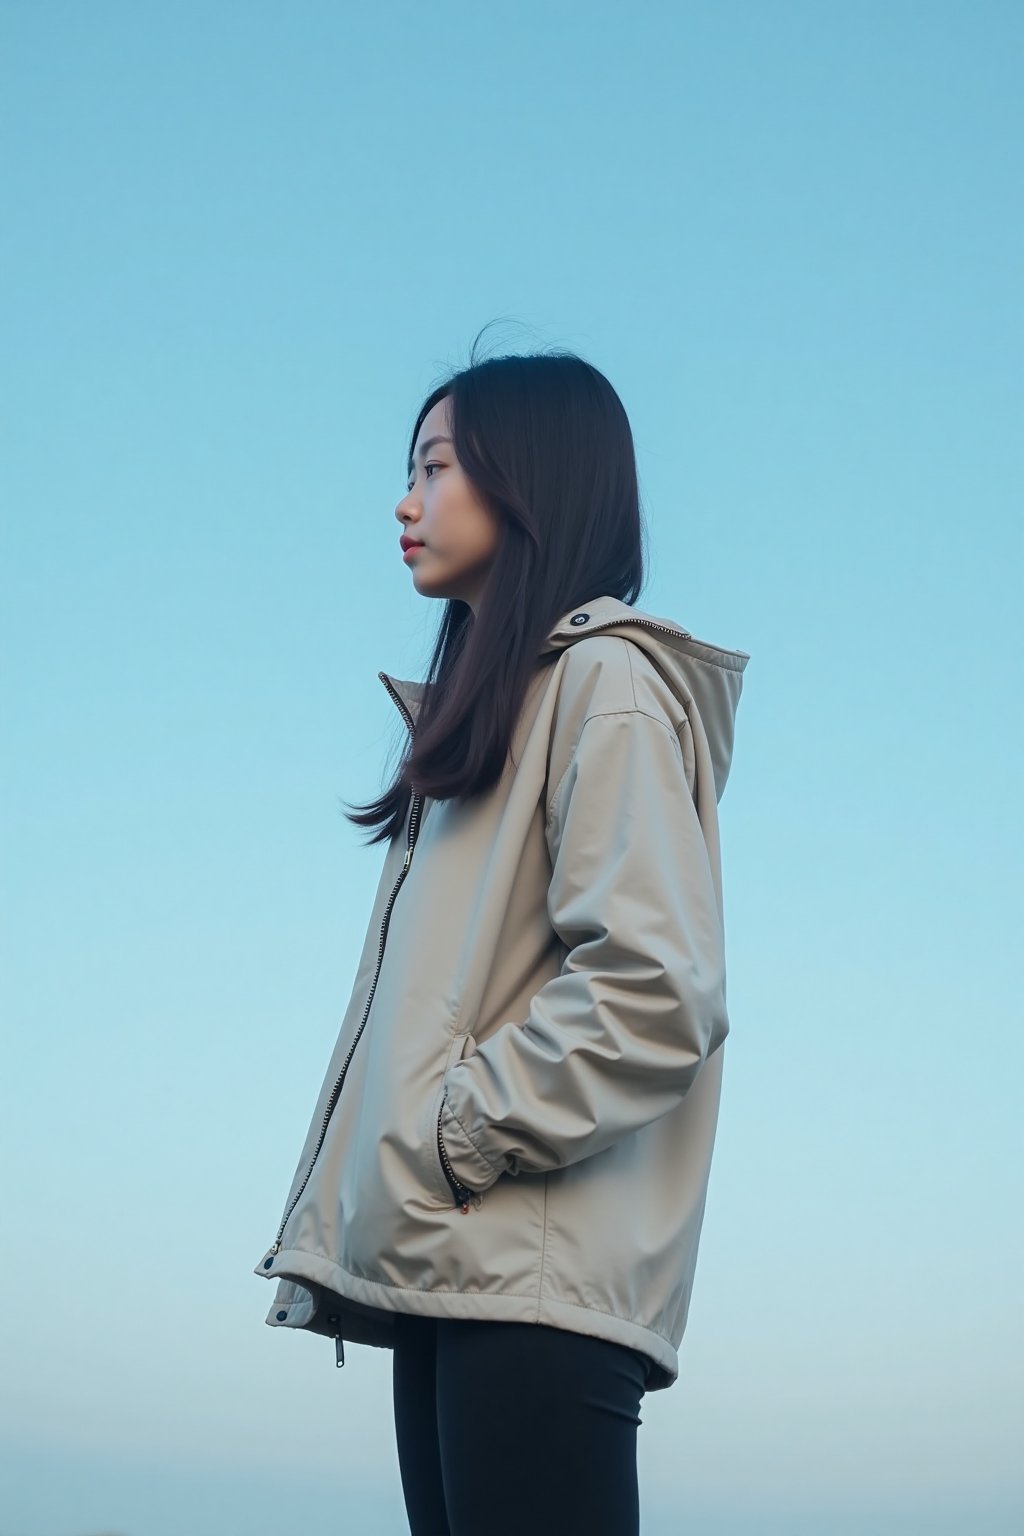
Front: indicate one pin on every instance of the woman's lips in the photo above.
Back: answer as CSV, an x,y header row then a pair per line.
x,y
411,550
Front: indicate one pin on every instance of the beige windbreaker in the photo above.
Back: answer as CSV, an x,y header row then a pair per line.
x,y
518,1117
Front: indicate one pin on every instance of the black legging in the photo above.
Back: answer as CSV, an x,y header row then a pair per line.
x,y
516,1429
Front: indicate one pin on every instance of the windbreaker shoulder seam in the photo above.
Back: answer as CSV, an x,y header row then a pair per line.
x,y
603,714
629,661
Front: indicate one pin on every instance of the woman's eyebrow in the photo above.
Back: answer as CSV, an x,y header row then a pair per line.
x,y
430,442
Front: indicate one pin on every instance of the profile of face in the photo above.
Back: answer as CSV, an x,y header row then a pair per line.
x,y
457,534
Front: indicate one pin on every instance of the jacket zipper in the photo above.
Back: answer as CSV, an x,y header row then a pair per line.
x,y
335,1094
677,630
463,1196
669,629
339,1343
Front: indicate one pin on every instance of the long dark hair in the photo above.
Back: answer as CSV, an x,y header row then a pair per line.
x,y
547,446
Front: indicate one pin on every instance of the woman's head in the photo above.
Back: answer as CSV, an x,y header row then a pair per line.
x,y
532,508
538,481
457,532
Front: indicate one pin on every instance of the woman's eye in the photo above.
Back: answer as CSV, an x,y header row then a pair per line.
x,y
432,465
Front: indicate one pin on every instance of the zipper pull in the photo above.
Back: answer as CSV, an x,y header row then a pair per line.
x,y
339,1346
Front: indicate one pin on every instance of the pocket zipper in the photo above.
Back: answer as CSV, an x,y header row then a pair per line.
x,y
463,1196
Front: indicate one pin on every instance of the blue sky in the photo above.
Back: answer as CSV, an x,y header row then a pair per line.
x,y
242,242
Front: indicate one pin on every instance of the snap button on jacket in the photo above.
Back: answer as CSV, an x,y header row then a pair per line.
x,y
518,1117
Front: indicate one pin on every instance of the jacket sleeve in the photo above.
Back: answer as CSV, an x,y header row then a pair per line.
x,y
617,1037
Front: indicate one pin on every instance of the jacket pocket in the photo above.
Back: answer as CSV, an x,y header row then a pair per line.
x,y
458,1195
461,1196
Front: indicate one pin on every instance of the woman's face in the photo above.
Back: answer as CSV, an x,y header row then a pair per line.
x,y
457,533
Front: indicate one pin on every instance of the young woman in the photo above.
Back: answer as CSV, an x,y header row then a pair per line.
x,y
505,1173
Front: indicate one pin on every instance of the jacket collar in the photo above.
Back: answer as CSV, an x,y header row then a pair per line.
x,y
573,624
697,670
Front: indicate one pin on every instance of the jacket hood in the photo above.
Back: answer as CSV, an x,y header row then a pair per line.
x,y
700,673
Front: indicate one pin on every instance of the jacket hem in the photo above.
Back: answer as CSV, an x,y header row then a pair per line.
x,y
313,1311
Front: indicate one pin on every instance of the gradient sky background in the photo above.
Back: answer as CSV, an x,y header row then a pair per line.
x,y
242,241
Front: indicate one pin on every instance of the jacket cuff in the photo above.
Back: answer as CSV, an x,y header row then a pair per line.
x,y
470,1166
